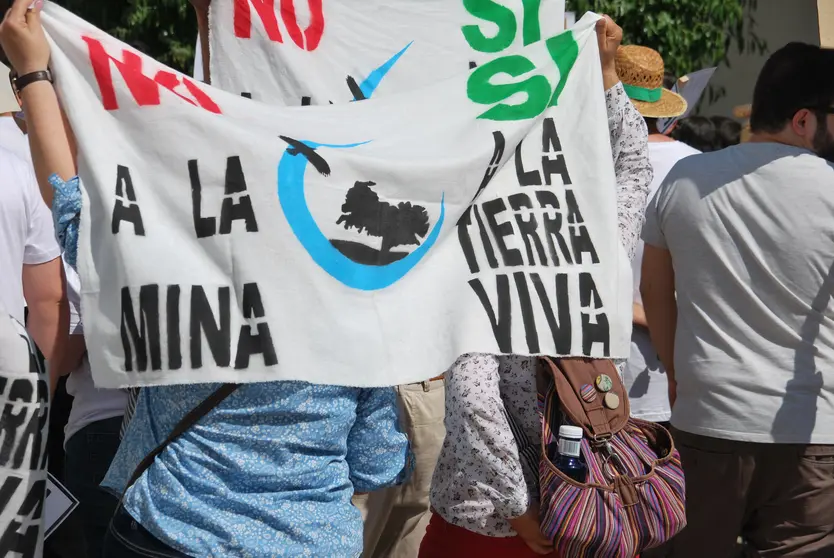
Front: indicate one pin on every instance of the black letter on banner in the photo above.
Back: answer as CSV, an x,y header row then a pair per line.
x,y
555,166
253,306
203,226
579,235
231,211
488,251
561,329
16,434
202,319
249,344
15,542
527,228
511,256
494,162
130,212
149,311
525,178
501,326
597,332
33,504
553,226
550,139
7,490
10,425
466,240
172,311
22,391
527,312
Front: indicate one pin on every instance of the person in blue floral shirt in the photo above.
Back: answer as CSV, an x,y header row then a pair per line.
x,y
271,470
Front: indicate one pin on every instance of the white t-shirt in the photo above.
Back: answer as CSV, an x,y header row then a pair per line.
x,y
27,235
24,402
644,376
14,140
751,232
90,404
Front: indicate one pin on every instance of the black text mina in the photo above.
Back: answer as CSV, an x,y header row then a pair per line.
x,y
142,337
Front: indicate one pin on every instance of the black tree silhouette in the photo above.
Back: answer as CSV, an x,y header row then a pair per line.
x,y
397,225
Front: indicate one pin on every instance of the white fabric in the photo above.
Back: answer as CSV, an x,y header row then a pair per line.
x,y
24,405
318,314
27,235
14,140
750,232
643,374
198,60
89,403
423,40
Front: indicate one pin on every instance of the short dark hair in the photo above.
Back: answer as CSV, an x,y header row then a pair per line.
x,y
696,131
795,77
727,131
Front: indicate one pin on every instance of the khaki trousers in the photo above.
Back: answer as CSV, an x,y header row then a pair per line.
x,y
778,497
396,517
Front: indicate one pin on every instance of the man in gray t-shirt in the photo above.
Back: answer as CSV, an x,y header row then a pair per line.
x,y
745,237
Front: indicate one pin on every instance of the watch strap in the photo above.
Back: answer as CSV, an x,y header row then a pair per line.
x,y
27,79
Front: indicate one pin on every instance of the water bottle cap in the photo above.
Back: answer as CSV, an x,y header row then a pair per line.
x,y
573,432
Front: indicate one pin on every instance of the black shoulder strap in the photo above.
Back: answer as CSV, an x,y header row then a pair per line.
x,y
187,422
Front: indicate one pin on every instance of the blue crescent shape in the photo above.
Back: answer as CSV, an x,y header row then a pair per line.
x,y
291,170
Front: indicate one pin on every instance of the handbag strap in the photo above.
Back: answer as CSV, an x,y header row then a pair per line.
x,y
528,452
573,376
184,424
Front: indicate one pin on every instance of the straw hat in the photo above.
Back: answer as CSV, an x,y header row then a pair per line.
x,y
641,71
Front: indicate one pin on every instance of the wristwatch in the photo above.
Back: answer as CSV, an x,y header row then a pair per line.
x,y
19,82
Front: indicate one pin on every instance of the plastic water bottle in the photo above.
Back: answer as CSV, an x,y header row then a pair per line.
x,y
570,460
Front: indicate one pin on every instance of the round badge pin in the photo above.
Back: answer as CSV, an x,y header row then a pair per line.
x,y
612,401
604,383
588,393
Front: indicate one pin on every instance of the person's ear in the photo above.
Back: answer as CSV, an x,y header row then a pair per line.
x,y
804,124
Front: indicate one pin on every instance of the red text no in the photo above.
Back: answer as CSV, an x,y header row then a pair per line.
x,y
308,39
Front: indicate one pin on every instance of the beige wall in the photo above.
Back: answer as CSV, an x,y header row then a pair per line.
x,y
826,20
778,22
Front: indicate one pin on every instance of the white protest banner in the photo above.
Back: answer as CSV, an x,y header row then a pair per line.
x,y
302,52
363,244
24,414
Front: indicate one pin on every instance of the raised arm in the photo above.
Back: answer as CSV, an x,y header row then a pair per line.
x,y
50,137
629,141
201,7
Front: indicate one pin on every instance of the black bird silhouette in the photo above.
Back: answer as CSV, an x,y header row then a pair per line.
x,y
299,148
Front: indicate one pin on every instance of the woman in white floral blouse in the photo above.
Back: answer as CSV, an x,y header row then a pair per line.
x,y
484,496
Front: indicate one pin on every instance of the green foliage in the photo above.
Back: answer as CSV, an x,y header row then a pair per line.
x,y
163,29
690,34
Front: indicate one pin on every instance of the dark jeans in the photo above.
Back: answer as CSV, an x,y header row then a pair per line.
x,y
88,455
127,539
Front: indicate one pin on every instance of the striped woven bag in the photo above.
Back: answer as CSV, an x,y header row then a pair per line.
x,y
634,496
